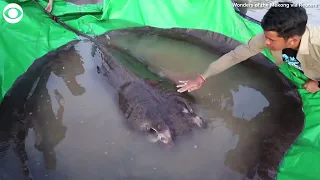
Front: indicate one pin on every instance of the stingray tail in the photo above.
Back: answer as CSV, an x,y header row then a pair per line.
x,y
109,65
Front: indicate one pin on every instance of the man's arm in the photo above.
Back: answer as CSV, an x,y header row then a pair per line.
x,y
242,52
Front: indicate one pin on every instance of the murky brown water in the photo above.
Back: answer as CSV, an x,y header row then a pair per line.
x,y
76,115
97,145
97,141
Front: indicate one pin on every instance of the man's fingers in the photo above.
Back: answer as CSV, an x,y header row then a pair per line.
x,y
181,85
183,89
188,88
183,81
184,86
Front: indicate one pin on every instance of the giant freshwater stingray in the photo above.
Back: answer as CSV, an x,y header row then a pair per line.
x,y
149,106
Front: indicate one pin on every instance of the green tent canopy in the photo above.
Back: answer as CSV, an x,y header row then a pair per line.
x,y
36,34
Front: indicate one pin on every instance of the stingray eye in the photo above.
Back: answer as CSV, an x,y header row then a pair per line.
x,y
185,103
185,110
162,139
159,126
185,107
147,127
188,107
98,70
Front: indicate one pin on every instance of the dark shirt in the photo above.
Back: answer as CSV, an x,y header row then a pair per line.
x,y
289,56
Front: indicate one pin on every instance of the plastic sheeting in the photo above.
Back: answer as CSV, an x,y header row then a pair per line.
x,y
36,34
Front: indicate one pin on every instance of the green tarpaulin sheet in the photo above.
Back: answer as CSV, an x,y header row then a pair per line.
x,y
36,34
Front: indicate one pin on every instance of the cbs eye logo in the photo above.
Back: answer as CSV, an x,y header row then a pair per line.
x,y
12,13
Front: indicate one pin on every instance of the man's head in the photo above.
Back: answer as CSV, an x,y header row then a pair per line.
x,y
283,26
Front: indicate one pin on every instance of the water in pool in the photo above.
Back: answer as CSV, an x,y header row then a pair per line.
x,y
80,134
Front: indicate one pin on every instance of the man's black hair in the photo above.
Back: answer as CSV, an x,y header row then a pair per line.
x,y
286,18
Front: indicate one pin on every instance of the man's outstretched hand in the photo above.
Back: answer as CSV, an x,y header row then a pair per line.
x,y
311,86
190,85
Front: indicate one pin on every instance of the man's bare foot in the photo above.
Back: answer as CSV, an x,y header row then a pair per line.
x,y
49,6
